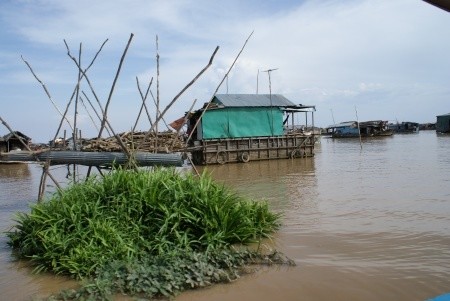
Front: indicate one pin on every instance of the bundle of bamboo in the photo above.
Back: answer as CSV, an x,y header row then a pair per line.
x,y
163,142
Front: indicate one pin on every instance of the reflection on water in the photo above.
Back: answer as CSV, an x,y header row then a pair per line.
x,y
362,224
275,180
11,171
15,180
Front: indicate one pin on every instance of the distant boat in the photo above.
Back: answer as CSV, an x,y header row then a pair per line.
x,y
404,127
351,129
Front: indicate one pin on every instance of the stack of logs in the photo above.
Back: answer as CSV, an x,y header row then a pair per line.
x,y
164,142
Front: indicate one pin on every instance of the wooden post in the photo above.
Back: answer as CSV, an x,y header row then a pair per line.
x,y
42,182
64,140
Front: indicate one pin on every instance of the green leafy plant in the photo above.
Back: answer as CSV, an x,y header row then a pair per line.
x,y
131,215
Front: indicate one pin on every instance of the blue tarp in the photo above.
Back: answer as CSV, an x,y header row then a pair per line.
x,y
445,297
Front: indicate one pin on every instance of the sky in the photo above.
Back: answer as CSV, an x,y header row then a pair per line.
x,y
379,60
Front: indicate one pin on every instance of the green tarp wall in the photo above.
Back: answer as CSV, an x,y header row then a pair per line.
x,y
242,122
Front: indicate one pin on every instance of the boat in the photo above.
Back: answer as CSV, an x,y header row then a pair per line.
x,y
355,129
404,127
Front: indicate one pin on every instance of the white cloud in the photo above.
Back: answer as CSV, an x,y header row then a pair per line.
x,y
385,57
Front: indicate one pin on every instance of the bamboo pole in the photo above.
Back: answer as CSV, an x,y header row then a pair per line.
x,y
89,114
100,171
105,121
193,166
87,78
113,86
74,134
79,80
46,92
157,93
62,119
217,89
144,99
159,111
180,93
43,181
184,122
52,178
96,113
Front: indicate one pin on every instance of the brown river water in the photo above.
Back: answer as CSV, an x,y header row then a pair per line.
x,y
361,224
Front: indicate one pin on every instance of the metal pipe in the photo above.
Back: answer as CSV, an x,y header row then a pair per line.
x,y
94,158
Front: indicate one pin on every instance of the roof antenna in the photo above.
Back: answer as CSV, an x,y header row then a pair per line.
x,y
270,84
257,82
270,94
227,83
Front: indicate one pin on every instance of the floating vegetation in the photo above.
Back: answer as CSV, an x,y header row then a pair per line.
x,y
146,233
166,276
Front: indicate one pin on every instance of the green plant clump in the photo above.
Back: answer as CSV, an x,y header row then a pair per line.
x,y
167,275
130,216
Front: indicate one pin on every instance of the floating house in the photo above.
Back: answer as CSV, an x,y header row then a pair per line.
x,y
443,123
247,127
343,129
353,129
12,142
405,127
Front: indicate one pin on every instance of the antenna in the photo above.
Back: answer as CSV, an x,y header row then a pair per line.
x,y
227,83
270,93
257,81
270,84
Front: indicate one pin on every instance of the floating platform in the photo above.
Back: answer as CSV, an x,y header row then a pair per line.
x,y
233,150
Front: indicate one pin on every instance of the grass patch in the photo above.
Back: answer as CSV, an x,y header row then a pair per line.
x,y
157,227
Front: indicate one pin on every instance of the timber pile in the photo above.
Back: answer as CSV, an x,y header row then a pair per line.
x,y
164,142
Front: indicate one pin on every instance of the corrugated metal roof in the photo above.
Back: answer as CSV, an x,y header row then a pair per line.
x,y
342,124
252,100
11,135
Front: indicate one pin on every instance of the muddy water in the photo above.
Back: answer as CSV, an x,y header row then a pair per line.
x,y
370,224
18,188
